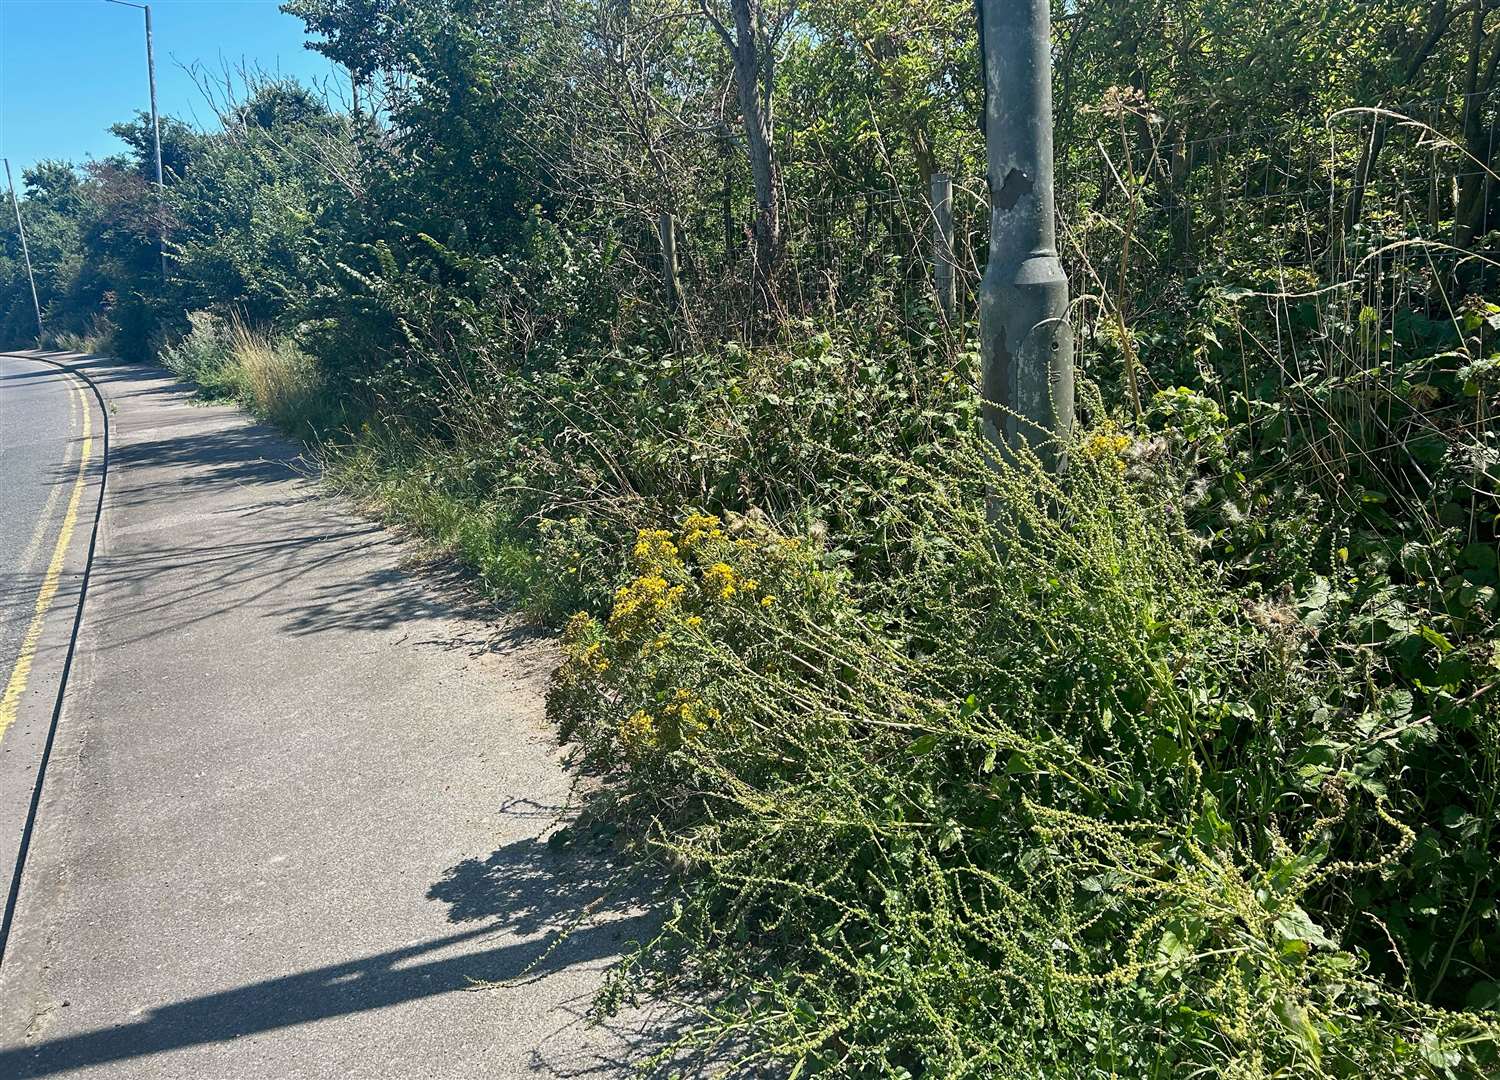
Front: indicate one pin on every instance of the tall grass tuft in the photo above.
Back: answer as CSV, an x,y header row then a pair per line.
x,y
266,373
280,382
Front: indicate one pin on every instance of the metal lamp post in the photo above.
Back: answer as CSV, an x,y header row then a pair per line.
x,y
1026,340
25,250
155,132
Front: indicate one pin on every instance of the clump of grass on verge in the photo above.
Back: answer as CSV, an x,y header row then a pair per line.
x,y
280,381
266,373
95,340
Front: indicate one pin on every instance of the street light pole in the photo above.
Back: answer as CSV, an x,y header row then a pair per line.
x,y
161,190
25,251
1026,340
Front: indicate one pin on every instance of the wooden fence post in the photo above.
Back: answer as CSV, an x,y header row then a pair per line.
x,y
666,231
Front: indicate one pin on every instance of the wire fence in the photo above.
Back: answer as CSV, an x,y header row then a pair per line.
x,y
1369,199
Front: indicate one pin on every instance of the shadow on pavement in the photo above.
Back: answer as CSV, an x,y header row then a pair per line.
x,y
526,889
336,589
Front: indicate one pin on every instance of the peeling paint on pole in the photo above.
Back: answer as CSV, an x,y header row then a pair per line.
x,y
1026,341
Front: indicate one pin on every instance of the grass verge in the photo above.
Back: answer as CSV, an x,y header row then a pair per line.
x,y
266,373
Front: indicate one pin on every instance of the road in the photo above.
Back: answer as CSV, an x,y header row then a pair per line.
x,y
50,450
39,417
296,820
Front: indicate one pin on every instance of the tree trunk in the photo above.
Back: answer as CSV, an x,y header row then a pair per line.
x,y
1471,211
754,77
1472,217
1369,156
1175,202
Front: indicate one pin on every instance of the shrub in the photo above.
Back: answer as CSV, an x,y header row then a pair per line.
x,y
205,356
1019,810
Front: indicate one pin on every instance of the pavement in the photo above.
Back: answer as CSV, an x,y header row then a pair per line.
x,y
295,823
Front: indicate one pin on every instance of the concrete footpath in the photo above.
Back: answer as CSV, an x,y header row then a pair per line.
x,y
298,803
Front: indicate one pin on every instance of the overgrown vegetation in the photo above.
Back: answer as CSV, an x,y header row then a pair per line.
x,y
1184,763
268,374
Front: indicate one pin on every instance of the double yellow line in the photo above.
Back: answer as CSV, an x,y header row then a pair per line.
x,y
10,703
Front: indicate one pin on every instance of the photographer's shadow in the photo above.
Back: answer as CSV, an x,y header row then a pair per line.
x,y
543,910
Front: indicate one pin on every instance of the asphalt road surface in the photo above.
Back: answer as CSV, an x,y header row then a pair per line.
x,y
296,820
50,451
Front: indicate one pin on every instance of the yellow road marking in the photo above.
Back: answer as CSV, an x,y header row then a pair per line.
x,y
44,519
16,686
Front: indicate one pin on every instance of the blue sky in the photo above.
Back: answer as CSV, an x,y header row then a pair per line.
x,y
70,68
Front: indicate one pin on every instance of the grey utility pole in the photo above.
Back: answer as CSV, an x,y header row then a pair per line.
x,y
1026,340
25,251
161,190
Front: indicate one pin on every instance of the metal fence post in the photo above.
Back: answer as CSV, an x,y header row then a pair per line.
x,y
1026,340
944,281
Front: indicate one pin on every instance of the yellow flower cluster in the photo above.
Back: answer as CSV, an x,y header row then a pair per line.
x,y
688,713
683,717
1107,444
654,550
719,580
658,610
638,733
698,529
643,599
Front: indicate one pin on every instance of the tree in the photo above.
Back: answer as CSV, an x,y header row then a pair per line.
x,y
180,144
752,48
1481,135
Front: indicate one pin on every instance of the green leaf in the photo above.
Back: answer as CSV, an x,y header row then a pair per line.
x,y
1172,948
1436,640
950,835
1165,750
1299,1028
1483,995
1297,925
1316,597
923,745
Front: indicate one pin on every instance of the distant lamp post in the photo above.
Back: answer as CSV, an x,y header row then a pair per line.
x,y
25,250
155,134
